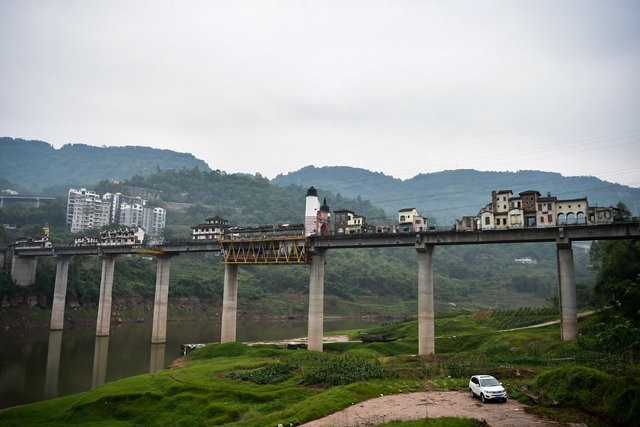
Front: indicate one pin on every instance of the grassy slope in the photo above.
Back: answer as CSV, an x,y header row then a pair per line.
x,y
205,392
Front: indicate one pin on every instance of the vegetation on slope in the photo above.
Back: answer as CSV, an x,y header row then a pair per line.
x,y
48,168
234,384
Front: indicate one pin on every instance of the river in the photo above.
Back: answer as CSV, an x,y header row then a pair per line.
x,y
38,364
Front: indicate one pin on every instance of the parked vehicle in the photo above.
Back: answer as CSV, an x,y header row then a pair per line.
x,y
487,388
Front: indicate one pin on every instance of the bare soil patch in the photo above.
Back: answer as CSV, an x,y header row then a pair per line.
x,y
433,404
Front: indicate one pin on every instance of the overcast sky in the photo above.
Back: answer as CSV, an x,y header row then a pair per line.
x,y
399,87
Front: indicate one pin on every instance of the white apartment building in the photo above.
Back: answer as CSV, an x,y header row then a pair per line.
x,y
86,210
131,214
154,221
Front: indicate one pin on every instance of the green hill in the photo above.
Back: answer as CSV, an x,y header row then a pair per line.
x,y
445,196
38,167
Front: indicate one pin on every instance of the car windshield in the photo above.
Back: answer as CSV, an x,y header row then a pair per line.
x,y
489,382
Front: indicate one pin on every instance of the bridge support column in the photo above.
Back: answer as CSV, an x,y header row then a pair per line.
x,y
59,293
567,291
159,333
316,301
104,304
229,304
23,270
156,362
426,312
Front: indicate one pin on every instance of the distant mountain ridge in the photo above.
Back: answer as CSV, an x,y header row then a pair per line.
x,y
451,194
39,167
36,166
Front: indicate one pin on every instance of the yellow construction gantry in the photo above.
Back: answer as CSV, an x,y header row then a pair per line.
x,y
264,250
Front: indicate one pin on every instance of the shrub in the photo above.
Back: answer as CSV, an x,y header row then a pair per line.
x,y
593,391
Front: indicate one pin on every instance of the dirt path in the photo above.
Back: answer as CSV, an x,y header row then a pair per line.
x,y
433,404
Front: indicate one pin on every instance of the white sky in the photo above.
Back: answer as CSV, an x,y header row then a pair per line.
x,y
400,87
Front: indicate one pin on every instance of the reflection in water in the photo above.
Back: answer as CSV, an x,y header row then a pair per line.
x,y
53,365
100,361
70,367
157,357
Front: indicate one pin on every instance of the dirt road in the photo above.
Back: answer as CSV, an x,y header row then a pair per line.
x,y
433,404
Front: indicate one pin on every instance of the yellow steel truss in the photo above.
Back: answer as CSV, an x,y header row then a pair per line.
x,y
268,250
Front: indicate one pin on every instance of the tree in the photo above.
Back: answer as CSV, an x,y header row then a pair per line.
x,y
617,264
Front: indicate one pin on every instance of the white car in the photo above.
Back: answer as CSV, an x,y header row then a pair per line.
x,y
486,388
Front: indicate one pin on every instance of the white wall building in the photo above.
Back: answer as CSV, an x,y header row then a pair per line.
x,y
87,209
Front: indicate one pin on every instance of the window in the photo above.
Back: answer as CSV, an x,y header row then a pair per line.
x,y
497,221
548,206
539,206
504,221
561,219
487,220
541,220
549,218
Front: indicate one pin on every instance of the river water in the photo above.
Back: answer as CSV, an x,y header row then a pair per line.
x,y
38,364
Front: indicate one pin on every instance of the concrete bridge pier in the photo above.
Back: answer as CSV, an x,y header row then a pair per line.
x,y
104,304
23,270
567,291
229,304
316,300
426,311
60,293
160,303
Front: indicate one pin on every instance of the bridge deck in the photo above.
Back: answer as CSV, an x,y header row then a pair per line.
x,y
273,250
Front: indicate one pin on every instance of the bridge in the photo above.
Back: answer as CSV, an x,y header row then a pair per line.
x,y
311,250
10,199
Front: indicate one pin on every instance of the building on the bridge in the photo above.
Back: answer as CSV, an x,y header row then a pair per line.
x,y
409,220
213,228
532,210
317,218
121,236
572,211
598,215
348,222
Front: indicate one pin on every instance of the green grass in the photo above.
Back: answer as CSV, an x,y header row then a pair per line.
x,y
238,385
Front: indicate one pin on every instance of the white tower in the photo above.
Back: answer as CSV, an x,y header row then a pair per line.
x,y
311,212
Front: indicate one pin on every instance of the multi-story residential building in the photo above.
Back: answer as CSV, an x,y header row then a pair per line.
x,y
516,213
347,222
572,211
213,228
500,207
530,209
131,214
410,220
546,211
154,221
86,210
